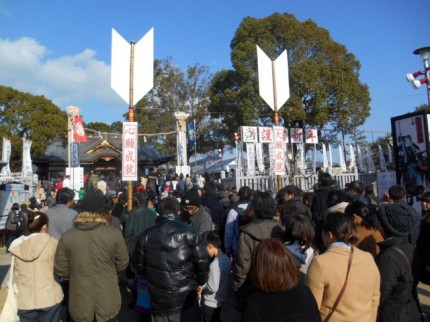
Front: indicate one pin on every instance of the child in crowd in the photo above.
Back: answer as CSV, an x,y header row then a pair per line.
x,y
214,292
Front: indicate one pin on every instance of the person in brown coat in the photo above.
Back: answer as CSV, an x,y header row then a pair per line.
x,y
328,272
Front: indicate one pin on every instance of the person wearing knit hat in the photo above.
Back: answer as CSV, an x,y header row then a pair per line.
x,y
394,263
198,216
90,256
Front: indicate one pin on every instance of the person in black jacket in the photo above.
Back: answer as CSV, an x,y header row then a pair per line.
x,y
173,258
293,197
399,301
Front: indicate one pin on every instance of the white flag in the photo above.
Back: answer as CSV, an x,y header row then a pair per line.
x,y
330,156
382,163
314,163
301,157
6,156
361,164
390,154
352,162
325,162
370,164
259,154
27,168
341,158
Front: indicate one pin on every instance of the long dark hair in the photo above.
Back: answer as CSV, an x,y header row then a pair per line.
x,y
358,208
341,226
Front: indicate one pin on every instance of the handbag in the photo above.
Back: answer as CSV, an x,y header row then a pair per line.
x,y
10,309
351,253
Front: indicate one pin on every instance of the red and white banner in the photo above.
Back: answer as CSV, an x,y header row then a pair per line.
x,y
79,129
129,151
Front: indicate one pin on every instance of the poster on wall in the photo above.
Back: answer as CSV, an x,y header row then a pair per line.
x,y
410,138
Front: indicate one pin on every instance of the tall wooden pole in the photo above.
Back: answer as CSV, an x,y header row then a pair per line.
x,y
275,117
131,119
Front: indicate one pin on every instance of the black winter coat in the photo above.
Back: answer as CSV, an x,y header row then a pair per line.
x,y
398,301
174,260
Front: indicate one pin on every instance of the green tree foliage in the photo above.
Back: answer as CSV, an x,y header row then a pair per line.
x,y
33,117
324,77
98,126
175,89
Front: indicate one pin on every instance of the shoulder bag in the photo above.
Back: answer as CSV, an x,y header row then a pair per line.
x,y
339,297
10,309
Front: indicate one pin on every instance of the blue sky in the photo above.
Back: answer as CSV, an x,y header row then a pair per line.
x,y
62,49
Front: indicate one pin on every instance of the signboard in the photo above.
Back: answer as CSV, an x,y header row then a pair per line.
x,y
129,151
411,141
249,134
265,134
312,136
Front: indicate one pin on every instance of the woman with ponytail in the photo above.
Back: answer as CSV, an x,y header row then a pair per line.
x,y
344,280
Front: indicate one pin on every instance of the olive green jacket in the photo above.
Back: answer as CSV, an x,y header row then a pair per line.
x,y
90,256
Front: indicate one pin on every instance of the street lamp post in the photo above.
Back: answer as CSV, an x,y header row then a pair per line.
x,y
424,53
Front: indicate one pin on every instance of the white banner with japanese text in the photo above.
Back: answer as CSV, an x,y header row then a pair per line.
x,y
259,154
279,150
250,153
129,151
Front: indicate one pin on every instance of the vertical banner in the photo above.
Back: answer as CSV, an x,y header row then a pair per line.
x,y
279,150
271,158
259,154
370,164
79,129
314,162
301,157
352,162
191,135
382,163
6,156
74,153
361,164
390,154
250,154
325,160
27,168
341,158
129,151
287,159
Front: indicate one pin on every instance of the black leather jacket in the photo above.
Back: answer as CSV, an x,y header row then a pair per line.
x,y
172,257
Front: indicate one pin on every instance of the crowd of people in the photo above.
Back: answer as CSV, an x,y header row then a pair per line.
x,y
188,245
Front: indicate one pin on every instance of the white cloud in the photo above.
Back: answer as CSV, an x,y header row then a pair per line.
x,y
28,66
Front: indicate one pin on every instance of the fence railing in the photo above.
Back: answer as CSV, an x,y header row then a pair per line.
x,y
306,183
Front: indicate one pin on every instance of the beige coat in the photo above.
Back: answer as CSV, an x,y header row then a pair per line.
x,y
326,276
34,271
